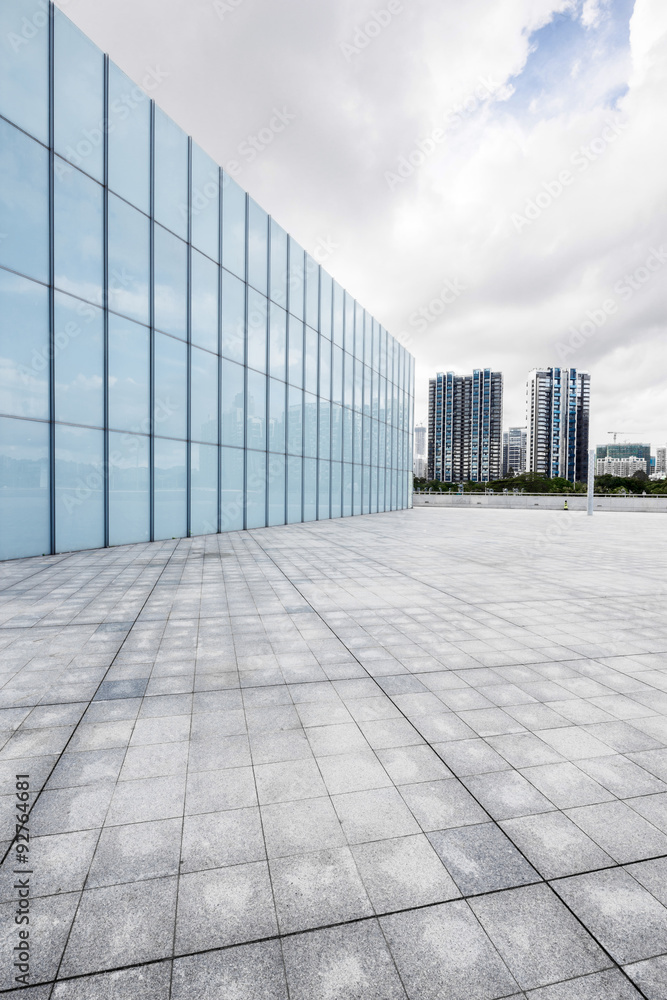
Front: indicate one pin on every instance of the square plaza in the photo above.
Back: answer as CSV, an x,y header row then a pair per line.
x,y
419,754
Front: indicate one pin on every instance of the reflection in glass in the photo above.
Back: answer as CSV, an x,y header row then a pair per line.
x,y
276,486
129,368
233,226
294,487
205,203
337,314
233,396
295,421
309,489
336,486
258,228
233,317
311,360
171,271
79,362
78,233
296,279
231,498
171,175
325,429
170,386
24,488
78,98
295,346
326,292
129,239
312,292
255,489
204,307
310,425
278,265
256,437
129,514
129,139
325,368
204,396
277,427
170,489
79,472
324,500
24,203
204,480
257,322
278,339
24,69
24,347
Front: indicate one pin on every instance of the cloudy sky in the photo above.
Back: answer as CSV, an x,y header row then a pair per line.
x,y
488,177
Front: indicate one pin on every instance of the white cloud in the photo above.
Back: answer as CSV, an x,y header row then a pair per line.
x,y
452,219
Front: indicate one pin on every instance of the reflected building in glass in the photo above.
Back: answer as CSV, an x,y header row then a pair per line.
x,y
172,363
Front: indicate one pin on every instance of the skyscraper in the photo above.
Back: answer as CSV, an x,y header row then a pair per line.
x,y
558,406
465,426
514,451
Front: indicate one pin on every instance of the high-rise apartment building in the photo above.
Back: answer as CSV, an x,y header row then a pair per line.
x,y
172,363
558,408
465,427
514,451
620,466
661,461
625,450
420,466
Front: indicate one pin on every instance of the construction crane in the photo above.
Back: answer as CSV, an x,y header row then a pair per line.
x,y
618,432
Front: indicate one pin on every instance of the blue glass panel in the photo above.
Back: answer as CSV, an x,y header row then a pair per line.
x,y
277,427
374,443
295,421
356,491
278,342
129,139
205,203
171,175
309,489
233,226
24,203
376,346
325,368
170,489
338,313
325,429
171,273
312,292
348,379
381,490
323,499
129,510
79,362
204,307
336,432
258,307
256,489
170,386
278,269
326,292
336,484
346,508
310,425
364,330
294,485
358,427
24,488
78,234
349,323
374,490
204,485
311,359
365,489
24,65
347,435
79,475
78,98
276,485
129,373
24,347
337,376
204,396
295,342
233,406
375,401
256,434
258,234
233,317
296,279
231,500
129,260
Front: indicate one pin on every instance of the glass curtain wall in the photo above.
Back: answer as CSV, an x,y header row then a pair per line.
x,y
172,363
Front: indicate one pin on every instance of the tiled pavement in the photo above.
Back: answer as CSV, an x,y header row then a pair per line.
x,y
417,754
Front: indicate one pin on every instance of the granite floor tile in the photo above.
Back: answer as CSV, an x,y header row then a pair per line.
x,y
150,982
439,805
217,839
554,845
376,814
144,799
301,826
244,972
353,772
474,756
134,852
313,890
566,785
620,831
50,922
482,859
411,764
212,791
650,976
608,985
402,873
507,794
538,938
286,781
